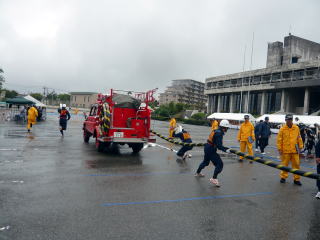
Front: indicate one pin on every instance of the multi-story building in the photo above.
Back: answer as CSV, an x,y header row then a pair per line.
x,y
83,99
186,91
289,83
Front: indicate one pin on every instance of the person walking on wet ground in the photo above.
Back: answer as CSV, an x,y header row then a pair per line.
x,y
310,143
256,131
289,144
214,142
32,114
264,134
185,138
318,167
64,117
246,137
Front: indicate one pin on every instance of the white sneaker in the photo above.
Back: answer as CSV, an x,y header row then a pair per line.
x,y
318,195
184,156
257,150
263,153
214,181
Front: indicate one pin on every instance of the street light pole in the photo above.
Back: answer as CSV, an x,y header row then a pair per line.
x,y
250,78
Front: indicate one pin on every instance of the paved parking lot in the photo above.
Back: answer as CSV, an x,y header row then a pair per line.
x,y
62,188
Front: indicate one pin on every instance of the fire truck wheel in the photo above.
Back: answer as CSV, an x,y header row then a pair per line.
x,y
86,136
100,146
136,147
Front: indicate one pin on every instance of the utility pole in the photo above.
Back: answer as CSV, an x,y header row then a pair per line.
x,y
44,94
250,78
243,67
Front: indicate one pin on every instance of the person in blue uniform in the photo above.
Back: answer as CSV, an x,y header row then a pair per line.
x,y
64,117
318,167
215,142
185,137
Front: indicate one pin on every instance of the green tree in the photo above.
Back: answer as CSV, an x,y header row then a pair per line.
x,y
37,96
199,116
64,97
172,108
10,93
154,104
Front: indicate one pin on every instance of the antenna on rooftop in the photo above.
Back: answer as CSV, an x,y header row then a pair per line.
x,y
290,30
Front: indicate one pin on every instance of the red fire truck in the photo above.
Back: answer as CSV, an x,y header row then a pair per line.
x,y
121,117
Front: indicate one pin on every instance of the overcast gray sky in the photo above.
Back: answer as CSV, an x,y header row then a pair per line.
x,y
82,45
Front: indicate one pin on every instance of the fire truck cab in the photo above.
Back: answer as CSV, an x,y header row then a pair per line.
x,y
120,118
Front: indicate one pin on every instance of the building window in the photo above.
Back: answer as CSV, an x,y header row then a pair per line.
x,y
84,99
294,60
286,75
75,98
88,99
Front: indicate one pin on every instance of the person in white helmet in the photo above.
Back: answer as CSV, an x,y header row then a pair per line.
x,y
64,117
185,137
214,142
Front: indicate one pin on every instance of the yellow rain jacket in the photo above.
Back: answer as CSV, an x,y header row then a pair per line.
x,y
215,125
32,115
172,125
289,138
246,131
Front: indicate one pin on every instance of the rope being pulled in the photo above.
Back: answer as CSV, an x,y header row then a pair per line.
x,y
256,159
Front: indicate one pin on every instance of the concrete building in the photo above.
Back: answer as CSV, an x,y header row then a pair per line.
x,y
83,99
289,83
186,91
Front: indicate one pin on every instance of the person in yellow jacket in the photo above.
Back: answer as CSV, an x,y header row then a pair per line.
x,y
214,124
289,144
32,117
172,126
246,137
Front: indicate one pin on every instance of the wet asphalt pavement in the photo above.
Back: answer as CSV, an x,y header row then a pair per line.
x,y
62,188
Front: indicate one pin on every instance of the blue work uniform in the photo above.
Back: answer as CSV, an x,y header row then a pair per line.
x,y
264,133
185,138
318,165
256,132
210,152
63,118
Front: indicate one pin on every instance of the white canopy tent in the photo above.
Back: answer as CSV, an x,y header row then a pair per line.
x,y
234,118
231,116
280,118
36,102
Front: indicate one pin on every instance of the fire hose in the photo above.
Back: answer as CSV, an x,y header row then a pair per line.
x,y
249,157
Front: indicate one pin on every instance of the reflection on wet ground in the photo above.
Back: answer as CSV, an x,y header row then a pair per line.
x,y
61,188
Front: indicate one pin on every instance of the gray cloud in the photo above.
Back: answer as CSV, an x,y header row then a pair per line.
x,y
141,44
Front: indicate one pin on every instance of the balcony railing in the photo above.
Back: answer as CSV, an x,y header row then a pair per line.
x,y
296,75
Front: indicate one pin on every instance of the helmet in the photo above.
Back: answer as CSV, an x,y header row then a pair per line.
x,y
178,129
290,117
224,123
64,105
